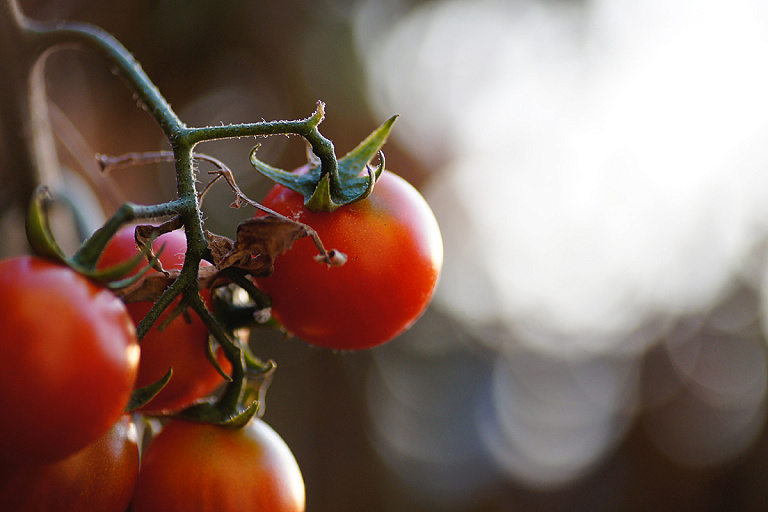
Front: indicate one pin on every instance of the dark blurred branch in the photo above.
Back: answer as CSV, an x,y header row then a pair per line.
x,y
27,142
61,33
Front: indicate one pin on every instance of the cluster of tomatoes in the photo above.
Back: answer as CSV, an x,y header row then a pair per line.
x,y
71,361
70,364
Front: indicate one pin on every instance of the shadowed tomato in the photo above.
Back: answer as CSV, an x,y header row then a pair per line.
x,y
395,254
100,477
68,361
198,467
181,344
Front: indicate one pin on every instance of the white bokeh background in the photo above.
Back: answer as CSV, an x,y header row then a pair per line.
x,y
600,174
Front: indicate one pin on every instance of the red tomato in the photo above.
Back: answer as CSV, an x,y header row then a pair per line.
x,y
68,364
100,477
181,344
395,255
199,467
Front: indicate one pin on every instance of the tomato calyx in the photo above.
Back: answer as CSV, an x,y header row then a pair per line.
x,y
326,190
44,244
142,396
242,399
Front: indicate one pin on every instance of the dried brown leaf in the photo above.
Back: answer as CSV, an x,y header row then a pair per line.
x,y
146,233
219,246
259,241
149,287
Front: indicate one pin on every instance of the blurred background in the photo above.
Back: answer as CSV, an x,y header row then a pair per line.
x,y
599,169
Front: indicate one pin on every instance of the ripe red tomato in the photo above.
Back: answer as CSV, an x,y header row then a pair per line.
x,y
100,477
181,344
68,364
199,467
395,255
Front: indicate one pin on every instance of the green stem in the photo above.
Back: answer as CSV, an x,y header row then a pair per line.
x,y
165,300
322,147
88,253
229,401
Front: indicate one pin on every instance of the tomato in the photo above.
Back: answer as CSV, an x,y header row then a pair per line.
x,y
100,477
395,255
68,364
199,467
182,344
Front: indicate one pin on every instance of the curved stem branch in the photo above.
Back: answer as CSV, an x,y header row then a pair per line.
x,y
322,147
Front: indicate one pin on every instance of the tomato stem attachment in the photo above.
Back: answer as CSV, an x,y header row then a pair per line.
x,y
328,189
43,242
241,398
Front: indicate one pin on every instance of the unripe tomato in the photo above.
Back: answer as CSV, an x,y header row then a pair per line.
x,y
182,344
199,467
68,360
395,254
100,477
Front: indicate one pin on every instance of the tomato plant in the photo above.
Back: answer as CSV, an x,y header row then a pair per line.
x,y
394,251
181,344
100,477
70,356
199,467
69,360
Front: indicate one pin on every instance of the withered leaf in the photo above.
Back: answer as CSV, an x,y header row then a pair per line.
x,y
259,241
219,246
144,234
149,288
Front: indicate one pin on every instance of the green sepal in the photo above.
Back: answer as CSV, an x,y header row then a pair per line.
x,y
207,411
38,229
324,192
240,420
210,352
115,274
352,164
322,197
142,396
114,277
44,244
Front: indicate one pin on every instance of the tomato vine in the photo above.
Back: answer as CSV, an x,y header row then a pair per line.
x,y
39,38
